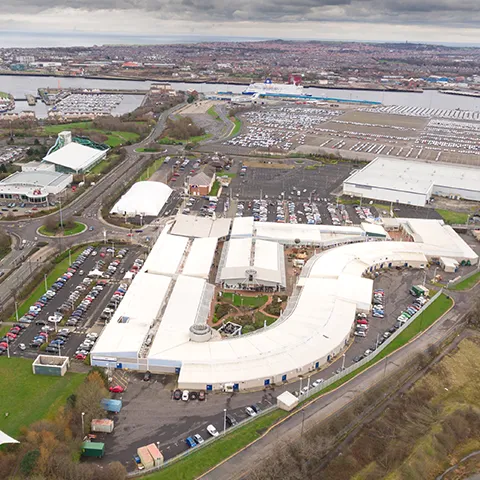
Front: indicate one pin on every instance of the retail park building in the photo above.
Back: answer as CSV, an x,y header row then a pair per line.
x,y
161,324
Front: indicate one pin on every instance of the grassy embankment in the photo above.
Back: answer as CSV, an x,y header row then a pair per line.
x,y
27,398
453,218
198,463
172,141
468,283
211,111
236,127
59,269
115,139
151,169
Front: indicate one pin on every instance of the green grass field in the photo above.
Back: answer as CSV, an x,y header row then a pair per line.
x,y
215,189
211,111
114,138
151,169
3,95
59,269
206,458
237,127
261,318
453,218
27,397
173,141
467,283
77,228
245,301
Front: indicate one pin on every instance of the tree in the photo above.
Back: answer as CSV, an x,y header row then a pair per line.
x,y
51,223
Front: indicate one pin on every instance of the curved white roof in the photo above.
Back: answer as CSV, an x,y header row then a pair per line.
x,y
143,198
316,323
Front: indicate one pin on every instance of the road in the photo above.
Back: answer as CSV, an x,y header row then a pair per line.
x,y
239,466
88,205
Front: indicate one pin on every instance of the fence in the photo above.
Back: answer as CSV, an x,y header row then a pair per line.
x,y
464,277
311,391
369,358
207,442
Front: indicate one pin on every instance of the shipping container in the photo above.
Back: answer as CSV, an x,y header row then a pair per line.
x,y
156,454
111,404
145,457
93,449
104,425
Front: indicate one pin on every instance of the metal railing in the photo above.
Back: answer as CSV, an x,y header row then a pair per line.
x,y
206,443
464,277
372,356
311,392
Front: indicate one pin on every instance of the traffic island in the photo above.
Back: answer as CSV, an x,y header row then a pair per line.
x,y
68,230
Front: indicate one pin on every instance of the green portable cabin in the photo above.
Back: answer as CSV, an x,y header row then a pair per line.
x,y
93,449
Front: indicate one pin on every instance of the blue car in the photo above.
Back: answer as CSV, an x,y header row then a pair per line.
x,y
190,442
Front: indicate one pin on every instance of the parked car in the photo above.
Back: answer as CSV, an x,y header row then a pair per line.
x,y
190,442
117,389
198,438
250,412
231,421
185,395
177,394
212,431
147,376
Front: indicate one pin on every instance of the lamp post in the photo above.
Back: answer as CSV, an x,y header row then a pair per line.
x,y
83,424
224,419
343,362
16,311
45,280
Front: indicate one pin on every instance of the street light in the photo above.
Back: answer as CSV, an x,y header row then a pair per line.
x,y
343,362
16,311
45,279
83,424
224,419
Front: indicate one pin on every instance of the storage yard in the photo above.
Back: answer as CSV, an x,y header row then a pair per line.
x,y
427,134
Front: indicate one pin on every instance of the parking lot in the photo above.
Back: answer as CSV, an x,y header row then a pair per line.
x,y
151,414
76,289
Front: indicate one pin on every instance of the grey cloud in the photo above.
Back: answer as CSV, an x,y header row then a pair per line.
x,y
435,12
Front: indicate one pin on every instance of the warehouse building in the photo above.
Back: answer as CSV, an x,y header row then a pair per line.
x,y
33,186
413,182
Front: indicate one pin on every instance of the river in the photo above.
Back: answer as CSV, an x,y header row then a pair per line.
x,y
20,85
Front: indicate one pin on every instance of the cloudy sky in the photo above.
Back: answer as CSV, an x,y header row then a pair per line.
x,y
443,21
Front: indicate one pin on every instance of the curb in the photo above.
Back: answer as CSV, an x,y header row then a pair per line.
x,y
63,236
329,392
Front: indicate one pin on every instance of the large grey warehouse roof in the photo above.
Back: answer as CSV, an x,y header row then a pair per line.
x,y
415,176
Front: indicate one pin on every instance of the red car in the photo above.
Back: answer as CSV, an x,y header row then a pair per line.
x,y
11,335
80,356
117,389
362,321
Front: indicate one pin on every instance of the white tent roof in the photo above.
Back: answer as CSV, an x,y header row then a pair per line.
x,y
242,227
4,438
200,257
129,326
166,254
195,226
143,198
239,253
75,156
179,316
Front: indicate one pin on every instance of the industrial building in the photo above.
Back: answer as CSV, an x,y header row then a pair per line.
x,y
75,155
161,325
33,186
144,198
413,182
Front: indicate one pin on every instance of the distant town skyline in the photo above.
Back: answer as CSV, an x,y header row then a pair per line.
x,y
433,21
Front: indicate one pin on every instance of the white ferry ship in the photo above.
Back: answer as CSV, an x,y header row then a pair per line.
x,y
268,88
